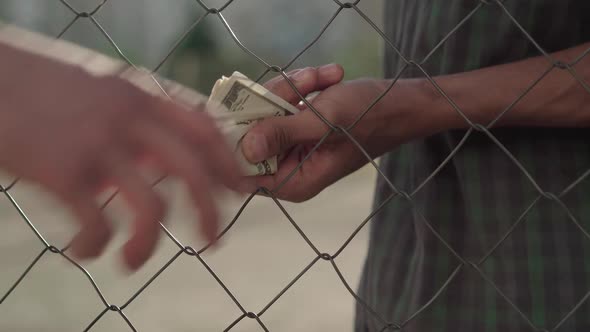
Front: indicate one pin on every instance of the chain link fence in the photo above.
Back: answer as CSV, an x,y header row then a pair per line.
x,y
258,314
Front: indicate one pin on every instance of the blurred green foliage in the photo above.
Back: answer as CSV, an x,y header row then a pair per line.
x,y
200,61
203,57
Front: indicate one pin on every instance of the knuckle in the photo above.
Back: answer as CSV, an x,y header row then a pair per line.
x,y
309,70
281,137
274,82
293,72
329,111
307,76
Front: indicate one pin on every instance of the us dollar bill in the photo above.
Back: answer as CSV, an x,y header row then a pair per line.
x,y
236,103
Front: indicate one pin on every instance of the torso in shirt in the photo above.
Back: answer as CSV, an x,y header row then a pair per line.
x,y
543,266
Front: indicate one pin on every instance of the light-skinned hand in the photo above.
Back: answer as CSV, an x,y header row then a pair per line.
x,y
76,135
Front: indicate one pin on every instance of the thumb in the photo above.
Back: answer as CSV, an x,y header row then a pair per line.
x,y
273,136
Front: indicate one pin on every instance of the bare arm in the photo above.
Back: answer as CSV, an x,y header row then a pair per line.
x,y
413,109
557,100
76,134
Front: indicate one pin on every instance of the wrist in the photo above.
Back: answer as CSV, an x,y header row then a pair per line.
x,y
414,109
434,109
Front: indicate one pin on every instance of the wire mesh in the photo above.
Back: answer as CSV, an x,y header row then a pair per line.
x,y
324,257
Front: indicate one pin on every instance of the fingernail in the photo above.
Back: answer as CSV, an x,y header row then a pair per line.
x,y
329,70
255,147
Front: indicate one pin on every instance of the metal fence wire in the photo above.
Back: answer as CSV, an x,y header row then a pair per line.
x,y
323,257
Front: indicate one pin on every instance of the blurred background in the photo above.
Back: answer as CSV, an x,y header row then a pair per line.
x,y
263,252
146,30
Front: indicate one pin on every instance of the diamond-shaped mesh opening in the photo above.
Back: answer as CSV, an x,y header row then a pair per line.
x,y
56,226
453,273
328,230
42,279
335,48
194,301
78,28
535,266
47,17
321,278
152,33
258,274
479,221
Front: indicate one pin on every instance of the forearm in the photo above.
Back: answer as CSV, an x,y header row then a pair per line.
x,y
10,60
18,67
557,100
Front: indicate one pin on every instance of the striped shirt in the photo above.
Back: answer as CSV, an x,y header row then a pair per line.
x,y
543,266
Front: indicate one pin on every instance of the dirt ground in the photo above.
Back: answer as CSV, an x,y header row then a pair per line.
x,y
258,257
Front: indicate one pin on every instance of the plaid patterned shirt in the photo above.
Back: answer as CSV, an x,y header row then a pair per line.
x,y
542,268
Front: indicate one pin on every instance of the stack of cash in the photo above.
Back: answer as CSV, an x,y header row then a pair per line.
x,y
236,102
